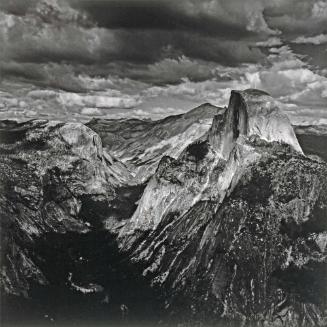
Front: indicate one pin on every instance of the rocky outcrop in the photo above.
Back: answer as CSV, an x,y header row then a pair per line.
x,y
251,113
140,144
55,178
225,229
259,257
227,148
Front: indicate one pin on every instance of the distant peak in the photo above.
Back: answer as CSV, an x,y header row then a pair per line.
x,y
252,92
206,104
205,110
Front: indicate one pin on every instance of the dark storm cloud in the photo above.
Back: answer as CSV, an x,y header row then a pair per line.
x,y
142,32
29,40
151,46
159,53
17,7
167,71
153,14
297,17
89,32
316,55
50,76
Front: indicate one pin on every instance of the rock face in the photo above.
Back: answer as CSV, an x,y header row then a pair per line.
x,y
259,256
211,167
55,178
141,144
233,228
251,113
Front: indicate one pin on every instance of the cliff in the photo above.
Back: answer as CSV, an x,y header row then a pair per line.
x,y
228,147
234,228
55,178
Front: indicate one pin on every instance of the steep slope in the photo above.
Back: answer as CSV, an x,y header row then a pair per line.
x,y
55,178
140,144
211,166
233,228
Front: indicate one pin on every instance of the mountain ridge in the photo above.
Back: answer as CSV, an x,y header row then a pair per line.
x,y
141,144
226,227
229,145
219,232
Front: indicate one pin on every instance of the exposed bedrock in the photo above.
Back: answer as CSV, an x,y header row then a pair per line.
x,y
251,113
235,227
228,147
140,144
55,178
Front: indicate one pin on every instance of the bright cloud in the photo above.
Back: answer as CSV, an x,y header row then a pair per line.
x,y
318,39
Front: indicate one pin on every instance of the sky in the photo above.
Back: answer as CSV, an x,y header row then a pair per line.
x,y
73,60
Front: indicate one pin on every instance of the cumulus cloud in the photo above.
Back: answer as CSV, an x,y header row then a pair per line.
x,y
29,39
319,9
213,91
88,32
19,99
208,17
287,78
271,42
101,100
145,58
91,112
318,39
103,31
174,70
297,17
52,75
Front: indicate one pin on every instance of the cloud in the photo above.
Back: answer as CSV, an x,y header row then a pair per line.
x,y
30,39
102,31
105,31
52,75
17,7
207,17
91,112
49,11
290,80
174,70
100,100
271,42
296,17
318,39
213,91
18,99
287,78
319,9
72,58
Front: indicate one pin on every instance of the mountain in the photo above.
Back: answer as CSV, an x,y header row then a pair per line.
x,y
140,144
55,178
313,139
211,166
213,217
235,227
